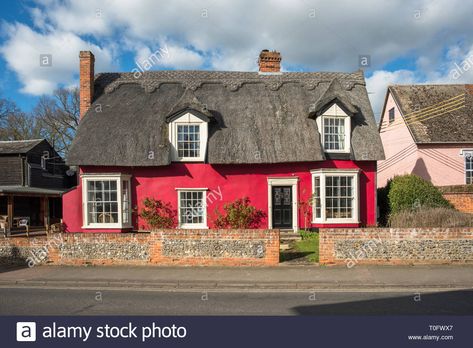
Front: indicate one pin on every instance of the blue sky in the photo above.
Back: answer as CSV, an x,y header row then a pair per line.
x,y
417,41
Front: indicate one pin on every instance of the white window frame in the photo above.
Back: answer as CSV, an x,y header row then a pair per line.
x,y
335,111
465,153
393,109
202,225
322,174
44,158
188,119
282,181
119,178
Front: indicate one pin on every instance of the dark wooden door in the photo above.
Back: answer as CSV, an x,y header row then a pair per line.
x,y
282,206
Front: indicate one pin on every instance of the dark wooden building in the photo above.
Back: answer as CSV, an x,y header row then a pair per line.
x,y
32,180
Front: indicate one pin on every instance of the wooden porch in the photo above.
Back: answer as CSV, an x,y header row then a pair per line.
x,y
29,211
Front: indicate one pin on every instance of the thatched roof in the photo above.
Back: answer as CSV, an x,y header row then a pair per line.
x,y
255,118
335,93
189,102
436,113
18,146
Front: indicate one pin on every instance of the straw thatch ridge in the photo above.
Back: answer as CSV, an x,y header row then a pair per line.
x,y
255,118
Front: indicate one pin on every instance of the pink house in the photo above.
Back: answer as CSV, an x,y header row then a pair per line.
x,y
199,139
427,130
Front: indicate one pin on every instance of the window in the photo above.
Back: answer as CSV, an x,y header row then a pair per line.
x,y
335,129
188,141
126,201
106,200
391,115
188,136
192,208
334,133
335,196
44,159
317,201
468,166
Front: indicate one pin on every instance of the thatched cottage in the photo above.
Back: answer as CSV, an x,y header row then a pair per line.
x,y
302,146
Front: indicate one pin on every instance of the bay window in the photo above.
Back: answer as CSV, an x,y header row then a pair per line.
x,y
335,196
106,201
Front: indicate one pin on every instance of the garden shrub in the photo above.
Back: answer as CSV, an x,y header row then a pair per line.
x,y
239,214
430,217
411,192
158,214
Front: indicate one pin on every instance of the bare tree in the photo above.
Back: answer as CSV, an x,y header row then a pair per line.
x,y
15,124
54,118
59,117
7,108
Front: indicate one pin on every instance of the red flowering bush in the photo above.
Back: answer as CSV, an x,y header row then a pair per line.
x,y
239,214
158,214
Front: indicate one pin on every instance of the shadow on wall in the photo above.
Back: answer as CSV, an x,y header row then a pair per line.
x,y
421,170
440,303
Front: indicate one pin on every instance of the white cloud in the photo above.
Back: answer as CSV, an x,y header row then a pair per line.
x,y
332,39
22,53
178,57
228,35
380,80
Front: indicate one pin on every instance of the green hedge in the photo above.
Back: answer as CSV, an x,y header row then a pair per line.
x,y
410,192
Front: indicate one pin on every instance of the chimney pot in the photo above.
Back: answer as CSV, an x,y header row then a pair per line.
x,y
269,62
86,88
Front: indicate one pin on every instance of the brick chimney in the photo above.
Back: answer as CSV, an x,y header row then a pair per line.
x,y
87,61
269,62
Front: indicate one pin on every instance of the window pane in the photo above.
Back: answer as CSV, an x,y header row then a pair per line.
x,y
468,167
334,133
191,207
317,206
102,201
126,202
188,140
339,197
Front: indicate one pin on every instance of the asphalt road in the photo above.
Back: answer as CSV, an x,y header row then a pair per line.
x,y
42,301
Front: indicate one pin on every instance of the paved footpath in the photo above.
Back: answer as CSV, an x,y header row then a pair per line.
x,y
281,278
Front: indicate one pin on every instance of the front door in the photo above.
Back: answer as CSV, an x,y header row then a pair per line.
x,y
282,206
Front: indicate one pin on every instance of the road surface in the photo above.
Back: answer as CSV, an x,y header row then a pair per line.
x,y
54,301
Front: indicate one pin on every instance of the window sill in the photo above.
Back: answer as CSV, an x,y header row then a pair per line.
x,y
194,226
105,226
188,159
336,221
337,151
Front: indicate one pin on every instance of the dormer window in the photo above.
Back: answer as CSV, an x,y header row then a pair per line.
x,y
188,136
188,140
334,125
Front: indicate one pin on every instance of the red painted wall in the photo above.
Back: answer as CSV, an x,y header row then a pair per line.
x,y
233,181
